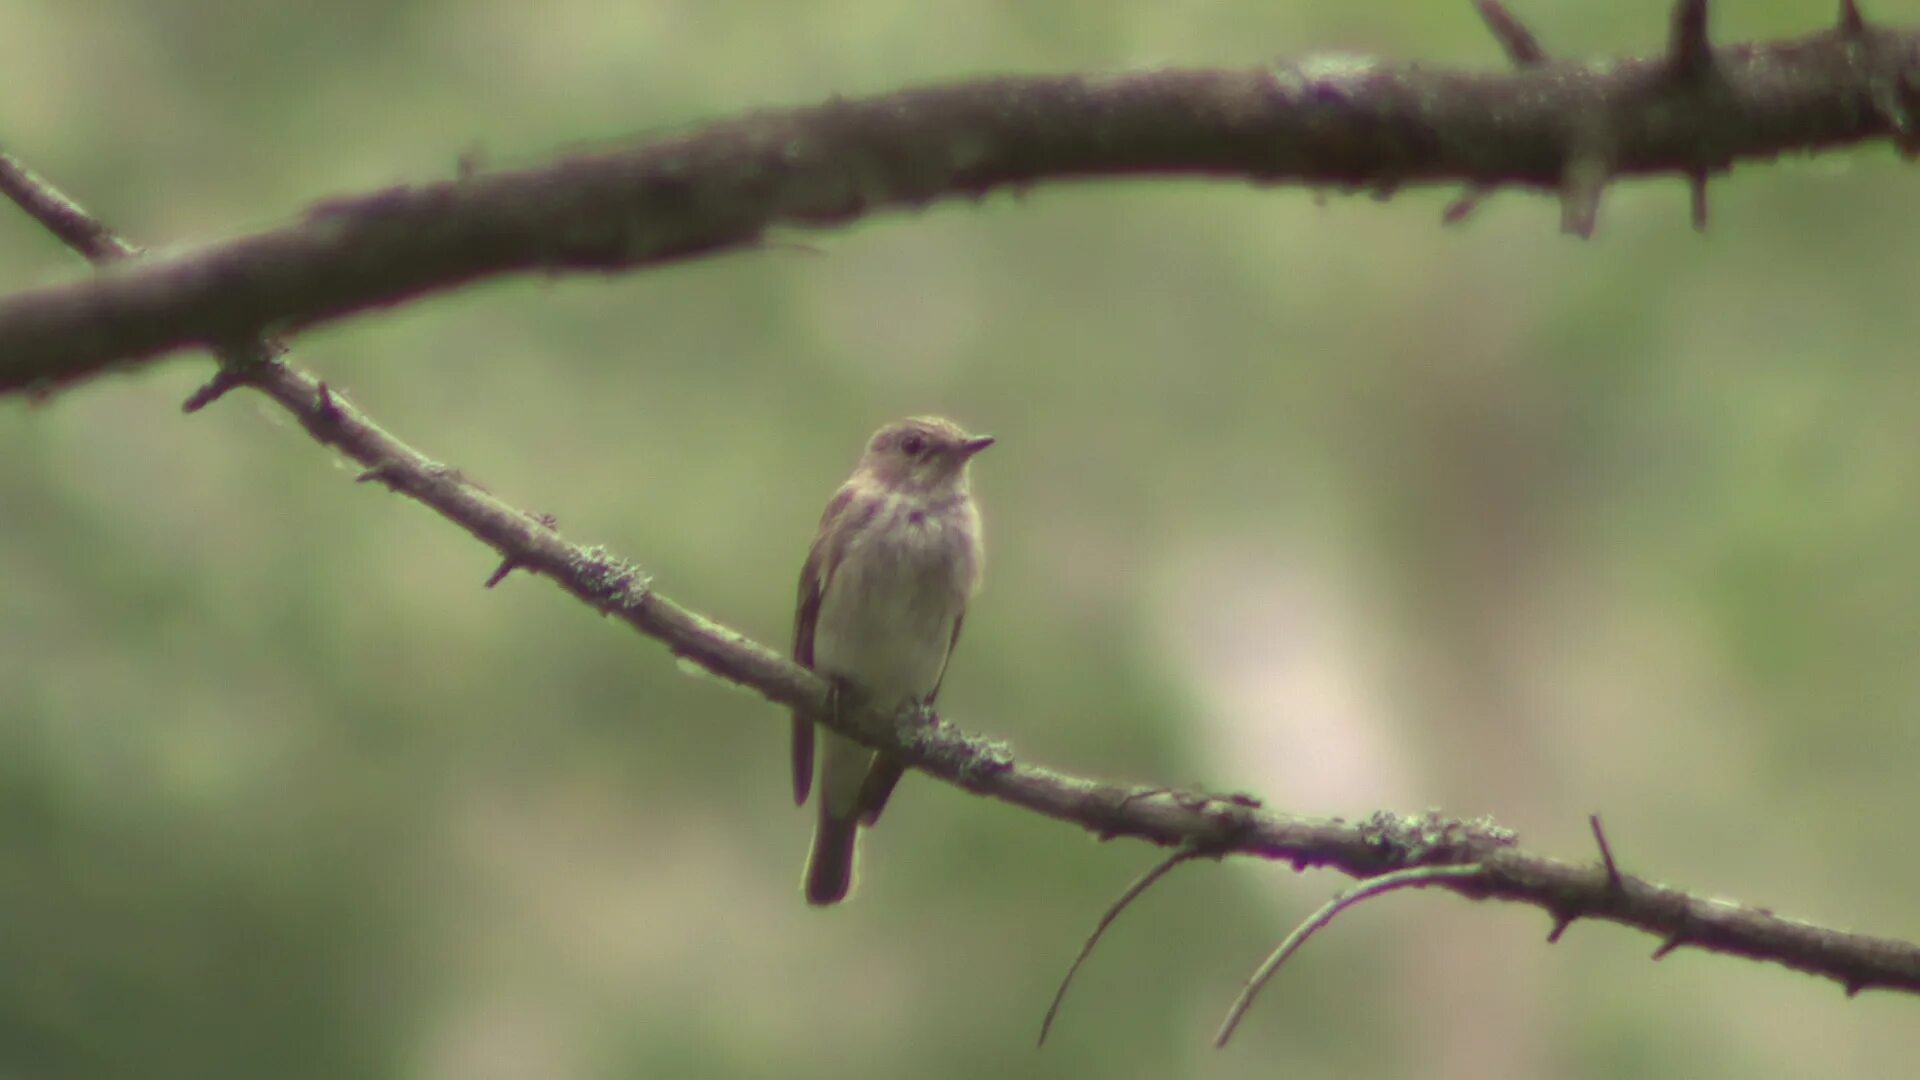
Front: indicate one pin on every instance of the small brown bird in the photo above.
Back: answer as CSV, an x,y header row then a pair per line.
x,y
882,597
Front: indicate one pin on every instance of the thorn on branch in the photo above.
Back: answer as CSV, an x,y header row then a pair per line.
x,y
471,162
1678,939
1581,183
385,472
1400,879
1614,884
1690,54
1521,46
1463,207
1561,920
1141,885
507,566
1851,23
239,363
227,378
325,408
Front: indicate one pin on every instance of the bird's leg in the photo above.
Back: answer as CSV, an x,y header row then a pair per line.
x,y
887,769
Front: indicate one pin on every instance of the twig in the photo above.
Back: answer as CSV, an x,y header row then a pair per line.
x,y
1141,885
1404,879
60,215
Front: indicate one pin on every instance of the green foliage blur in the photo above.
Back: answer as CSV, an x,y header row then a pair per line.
x,y
1314,498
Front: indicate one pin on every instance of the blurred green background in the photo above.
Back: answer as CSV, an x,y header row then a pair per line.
x,y
1318,499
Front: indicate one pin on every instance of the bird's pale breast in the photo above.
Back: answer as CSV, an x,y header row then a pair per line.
x,y
886,617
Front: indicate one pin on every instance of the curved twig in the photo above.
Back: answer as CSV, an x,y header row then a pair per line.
x,y
1402,879
1140,885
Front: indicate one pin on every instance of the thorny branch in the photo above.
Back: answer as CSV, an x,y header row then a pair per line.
x,y
725,186
1193,821
1332,121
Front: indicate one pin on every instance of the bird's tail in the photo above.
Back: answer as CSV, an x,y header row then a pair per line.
x,y
830,867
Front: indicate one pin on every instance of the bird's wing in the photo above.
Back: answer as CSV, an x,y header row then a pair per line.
x,y
822,559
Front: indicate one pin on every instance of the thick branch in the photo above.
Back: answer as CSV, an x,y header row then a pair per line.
x,y
1201,822
1333,120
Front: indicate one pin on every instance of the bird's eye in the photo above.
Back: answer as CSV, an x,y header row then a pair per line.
x,y
913,444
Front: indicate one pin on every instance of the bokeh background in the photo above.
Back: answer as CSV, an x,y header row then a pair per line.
x,y
1315,498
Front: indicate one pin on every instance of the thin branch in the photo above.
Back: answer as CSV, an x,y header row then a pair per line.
x,y
1141,885
1325,121
1416,877
59,215
1223,823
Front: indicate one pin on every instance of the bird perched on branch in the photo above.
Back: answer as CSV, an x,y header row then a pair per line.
x,y
882,597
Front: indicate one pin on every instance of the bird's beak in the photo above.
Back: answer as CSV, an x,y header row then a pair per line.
x,y
975,445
